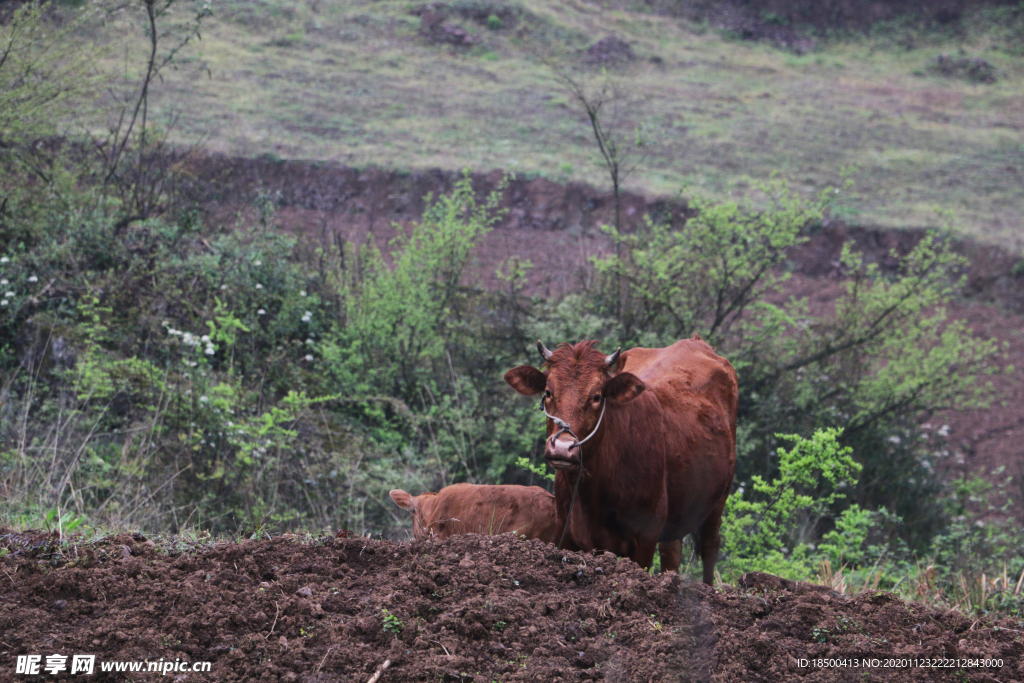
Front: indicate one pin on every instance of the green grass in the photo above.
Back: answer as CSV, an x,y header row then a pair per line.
x,y
355,83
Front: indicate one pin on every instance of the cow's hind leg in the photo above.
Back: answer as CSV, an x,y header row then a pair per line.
x,y
671,555
708,541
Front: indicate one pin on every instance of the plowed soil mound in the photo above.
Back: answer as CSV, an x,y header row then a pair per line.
x,y
472,608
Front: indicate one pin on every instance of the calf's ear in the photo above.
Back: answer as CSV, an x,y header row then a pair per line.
x,y
623,387
403,499
527,380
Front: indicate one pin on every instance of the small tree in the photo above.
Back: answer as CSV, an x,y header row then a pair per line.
x,y
135,158
608,107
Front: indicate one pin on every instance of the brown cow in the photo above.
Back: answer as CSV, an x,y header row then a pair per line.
x,y
655,431
475,509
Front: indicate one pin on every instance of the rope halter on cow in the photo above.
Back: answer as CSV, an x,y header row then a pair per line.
x,y
564,427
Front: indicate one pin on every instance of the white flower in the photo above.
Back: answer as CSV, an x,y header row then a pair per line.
x,y
310,342
302,293
205,338
307,316
203,399
258,263
210,351
9,294
309,357
4,282
223,286
33,279
5,260
261,312
894,439
259,286
944,430
3,302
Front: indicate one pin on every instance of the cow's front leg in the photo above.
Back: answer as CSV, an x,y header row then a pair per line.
x,y
671,555
643,552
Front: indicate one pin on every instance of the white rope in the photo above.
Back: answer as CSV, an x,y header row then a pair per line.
x,y
564,426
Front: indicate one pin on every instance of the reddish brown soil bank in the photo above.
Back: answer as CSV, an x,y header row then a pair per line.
x,y
472,608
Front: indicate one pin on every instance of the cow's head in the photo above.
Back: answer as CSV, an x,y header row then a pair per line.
x,y
421,507
579,382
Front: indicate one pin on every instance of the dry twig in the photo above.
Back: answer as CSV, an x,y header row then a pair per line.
x,y
277,610
380,669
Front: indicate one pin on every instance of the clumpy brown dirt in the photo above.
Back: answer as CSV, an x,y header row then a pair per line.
x,y
471,608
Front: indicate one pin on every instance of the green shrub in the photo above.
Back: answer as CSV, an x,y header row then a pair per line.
x,y
401,318
758,529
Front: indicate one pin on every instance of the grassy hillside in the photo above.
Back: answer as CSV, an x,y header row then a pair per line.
x,y
363,82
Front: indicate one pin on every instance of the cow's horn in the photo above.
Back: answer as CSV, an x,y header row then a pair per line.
x,y
612,359
544,351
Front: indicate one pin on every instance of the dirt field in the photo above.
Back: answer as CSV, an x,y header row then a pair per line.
x,y
472,608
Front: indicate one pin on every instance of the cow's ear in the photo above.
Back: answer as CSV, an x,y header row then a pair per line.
x,y
527,380
403,499
623,387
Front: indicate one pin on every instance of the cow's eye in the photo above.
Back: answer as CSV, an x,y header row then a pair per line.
x,y
547,394
597,398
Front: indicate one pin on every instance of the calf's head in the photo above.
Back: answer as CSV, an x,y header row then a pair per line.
x,y
579,382
421,507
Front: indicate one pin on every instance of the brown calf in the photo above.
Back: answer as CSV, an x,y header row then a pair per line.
x,y
476,509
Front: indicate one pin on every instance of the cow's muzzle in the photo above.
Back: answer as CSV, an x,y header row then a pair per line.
x,y
562,452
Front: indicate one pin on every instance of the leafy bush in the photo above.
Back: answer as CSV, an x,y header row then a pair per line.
x,y
757,531
402,317
700,277
212,375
